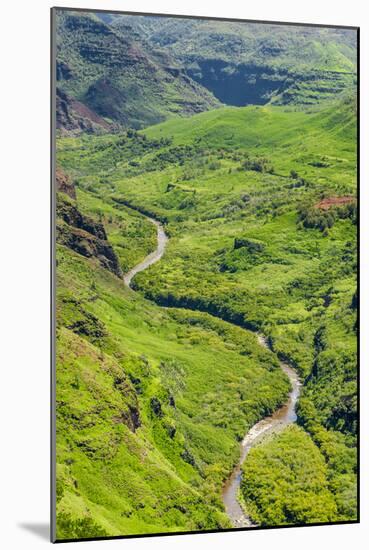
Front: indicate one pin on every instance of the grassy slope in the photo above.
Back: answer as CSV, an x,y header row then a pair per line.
x,y
302,280
281,134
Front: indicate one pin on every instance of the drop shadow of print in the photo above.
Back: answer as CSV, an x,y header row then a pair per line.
x,y
41,530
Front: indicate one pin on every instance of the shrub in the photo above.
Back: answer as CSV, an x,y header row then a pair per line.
x,y
258,164
250,244
71,528
214,165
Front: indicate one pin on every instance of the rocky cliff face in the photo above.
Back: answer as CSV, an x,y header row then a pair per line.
x,y
250,84
75,116
84,235
64,183
239,84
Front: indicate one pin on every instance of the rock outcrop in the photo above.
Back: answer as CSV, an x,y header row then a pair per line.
x,y
64,183
74,116
84,235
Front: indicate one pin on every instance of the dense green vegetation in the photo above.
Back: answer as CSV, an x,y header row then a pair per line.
x,y
259,204
285,481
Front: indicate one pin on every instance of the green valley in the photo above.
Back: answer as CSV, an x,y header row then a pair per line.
x,y
158,384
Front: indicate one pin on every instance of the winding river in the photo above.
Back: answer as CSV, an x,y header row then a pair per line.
x,y
281,417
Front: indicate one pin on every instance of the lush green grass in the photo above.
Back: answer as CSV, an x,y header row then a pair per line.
x,y
239,250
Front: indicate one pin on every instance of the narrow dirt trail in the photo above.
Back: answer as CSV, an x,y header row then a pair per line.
x,y
280,418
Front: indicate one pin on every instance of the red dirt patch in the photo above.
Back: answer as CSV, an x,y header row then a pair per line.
x,y
327,203
85,112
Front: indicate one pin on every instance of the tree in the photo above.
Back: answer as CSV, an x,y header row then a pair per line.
x,y
294,175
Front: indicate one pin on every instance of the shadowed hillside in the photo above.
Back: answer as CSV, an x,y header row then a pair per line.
x,y
252,63
119,77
